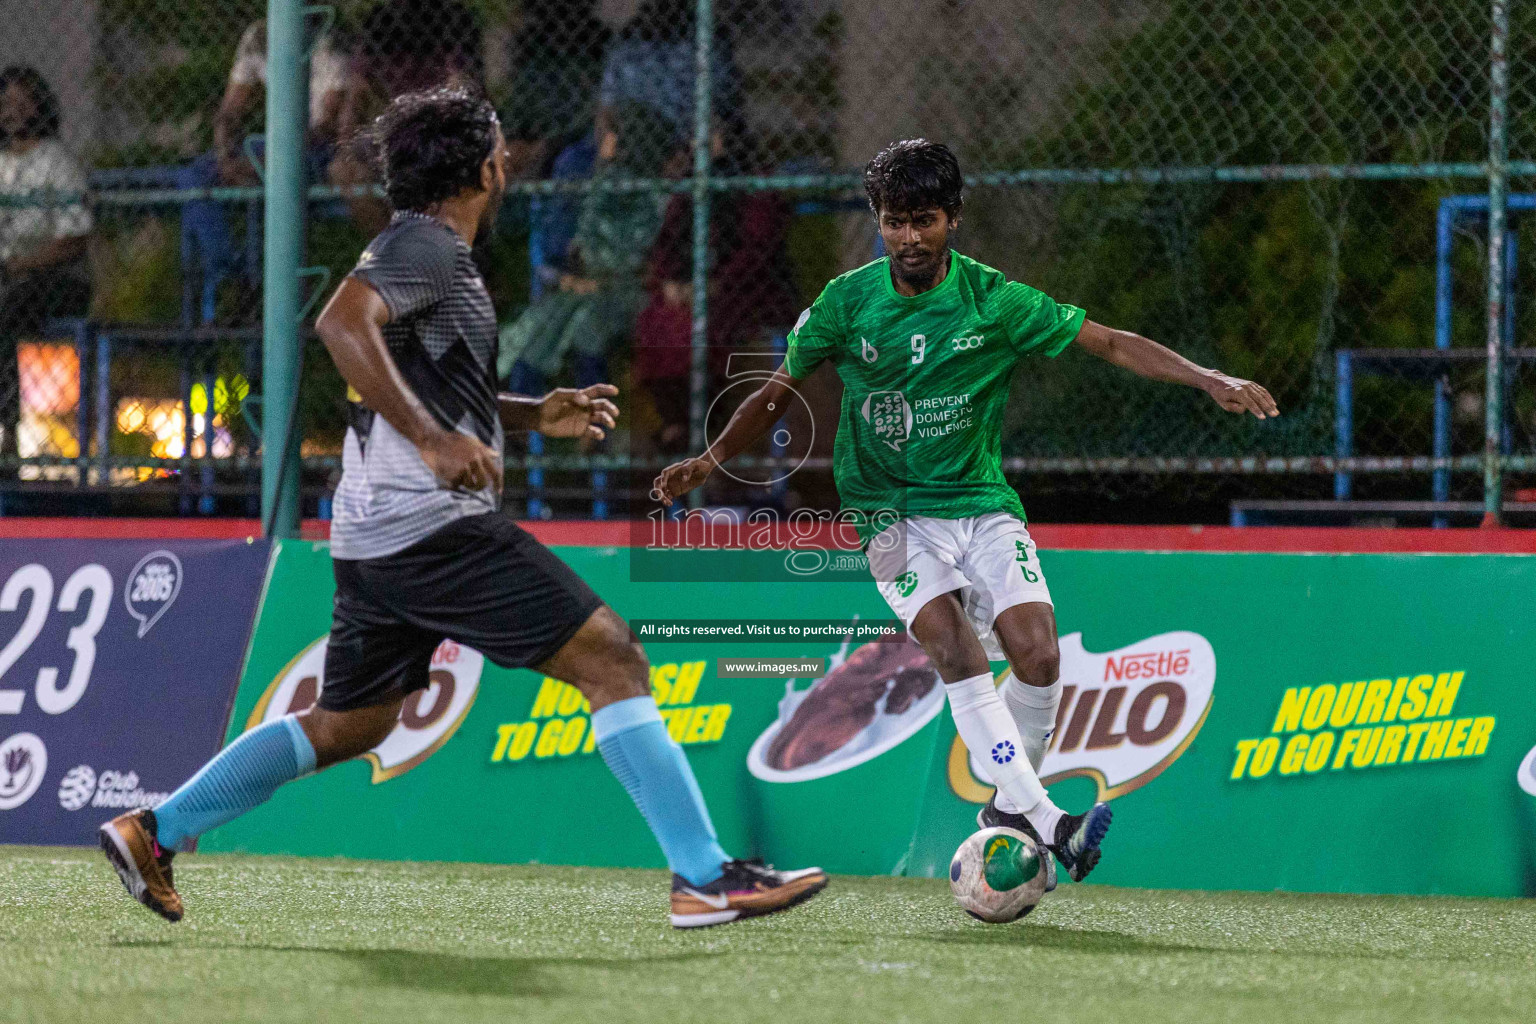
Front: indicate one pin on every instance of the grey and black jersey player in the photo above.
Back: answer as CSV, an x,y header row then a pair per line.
x,y
422,553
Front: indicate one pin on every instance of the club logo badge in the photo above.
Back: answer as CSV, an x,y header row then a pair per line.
x,y
890,415
152,588
77,787
23,761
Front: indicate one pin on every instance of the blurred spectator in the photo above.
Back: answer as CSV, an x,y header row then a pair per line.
x,y
43,271
403,46
552,219
557,60
247,79
557,65
228,164
751,295
652,63
601,286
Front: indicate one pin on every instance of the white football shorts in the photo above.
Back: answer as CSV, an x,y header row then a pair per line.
x,y
990,559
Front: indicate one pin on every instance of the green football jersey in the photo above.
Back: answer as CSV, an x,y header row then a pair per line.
x,y
925,381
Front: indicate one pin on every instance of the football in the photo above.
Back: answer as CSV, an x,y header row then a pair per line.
x,y
997,875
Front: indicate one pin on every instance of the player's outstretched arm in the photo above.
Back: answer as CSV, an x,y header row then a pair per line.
x,y
564,412
350,328
1146,358
762,409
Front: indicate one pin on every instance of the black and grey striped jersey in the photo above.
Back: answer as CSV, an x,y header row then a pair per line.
x,y
442,336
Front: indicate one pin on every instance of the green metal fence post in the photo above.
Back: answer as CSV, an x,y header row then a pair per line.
x,y
702,81
287,123
1498,192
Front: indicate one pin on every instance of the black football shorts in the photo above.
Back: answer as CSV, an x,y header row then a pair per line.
x,y
481,581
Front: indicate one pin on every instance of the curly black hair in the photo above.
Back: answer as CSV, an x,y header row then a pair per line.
x,y
45,125
912,175
431,145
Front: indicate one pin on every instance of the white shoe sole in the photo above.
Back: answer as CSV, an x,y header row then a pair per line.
x,y
116,849
704,920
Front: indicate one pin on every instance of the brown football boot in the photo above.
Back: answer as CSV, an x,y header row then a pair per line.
x,y
131,846
746,889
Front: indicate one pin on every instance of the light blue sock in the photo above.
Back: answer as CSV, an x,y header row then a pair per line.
x,y
242,776
642,756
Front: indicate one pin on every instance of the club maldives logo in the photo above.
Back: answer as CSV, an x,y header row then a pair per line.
x,y
152,588
428,718
1124,717
23,761
82,786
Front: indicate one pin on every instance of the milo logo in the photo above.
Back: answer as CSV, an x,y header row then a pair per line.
x,y
428,718
1124,717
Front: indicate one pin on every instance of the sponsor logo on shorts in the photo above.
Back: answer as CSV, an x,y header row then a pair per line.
x,y
23,760
428,718
1118,723
1022,557
906,583
1003,752
83,787
152,588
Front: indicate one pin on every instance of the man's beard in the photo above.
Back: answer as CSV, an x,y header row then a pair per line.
x,y
922,275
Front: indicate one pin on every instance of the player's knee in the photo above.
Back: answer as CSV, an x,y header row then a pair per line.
x,y
953,660
340,736
1041,666
620,673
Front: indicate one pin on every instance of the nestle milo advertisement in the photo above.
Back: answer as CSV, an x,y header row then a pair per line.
x,y
1333,723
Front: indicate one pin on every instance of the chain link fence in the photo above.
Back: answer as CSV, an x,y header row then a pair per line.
x,y
1259,185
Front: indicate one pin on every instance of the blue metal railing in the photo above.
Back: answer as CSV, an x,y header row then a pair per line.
x,y
1452,212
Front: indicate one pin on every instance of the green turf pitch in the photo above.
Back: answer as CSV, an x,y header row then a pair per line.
x,y
315,941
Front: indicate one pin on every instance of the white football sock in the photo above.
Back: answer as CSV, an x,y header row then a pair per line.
x,y
988,731
1034,712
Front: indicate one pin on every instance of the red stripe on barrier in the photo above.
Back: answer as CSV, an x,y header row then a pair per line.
x,y
572,533
128,529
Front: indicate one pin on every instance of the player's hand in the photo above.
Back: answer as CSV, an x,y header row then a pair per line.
x,y
461,462
584,412
1237,395
680,478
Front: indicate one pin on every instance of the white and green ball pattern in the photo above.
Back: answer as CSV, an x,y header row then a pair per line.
x,y
997,875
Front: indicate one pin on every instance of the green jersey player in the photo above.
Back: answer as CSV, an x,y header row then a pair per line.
x,y
927,342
